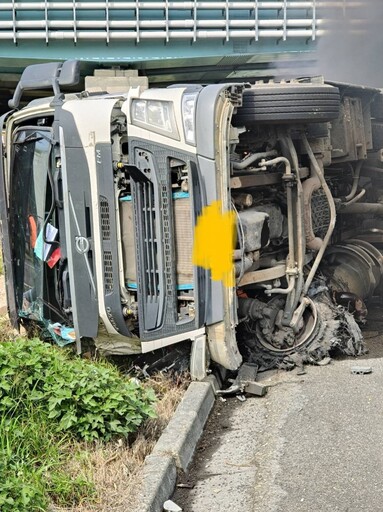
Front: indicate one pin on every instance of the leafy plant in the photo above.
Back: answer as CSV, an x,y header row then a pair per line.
x,y
90,400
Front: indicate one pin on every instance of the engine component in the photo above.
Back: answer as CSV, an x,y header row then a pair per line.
x,y
128,240
363,208
255,229
276,219
251,308
351,132
317,168
242,200
243,265
316,213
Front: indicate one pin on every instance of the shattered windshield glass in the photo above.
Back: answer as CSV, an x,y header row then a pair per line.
x,y
28,200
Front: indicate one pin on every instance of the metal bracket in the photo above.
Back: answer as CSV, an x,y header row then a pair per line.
x,y
298,313
245,382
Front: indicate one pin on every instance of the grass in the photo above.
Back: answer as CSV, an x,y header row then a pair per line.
x,y
31,466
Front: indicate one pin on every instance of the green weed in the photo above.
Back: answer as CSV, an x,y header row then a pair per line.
x,y
90,400
31,459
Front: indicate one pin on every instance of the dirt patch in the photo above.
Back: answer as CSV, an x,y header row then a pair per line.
x,y
3,297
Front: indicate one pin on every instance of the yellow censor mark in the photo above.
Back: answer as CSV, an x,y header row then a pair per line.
x,y
214,241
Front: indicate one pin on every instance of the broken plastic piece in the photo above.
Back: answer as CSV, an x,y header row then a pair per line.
x,y
361,370
54,257
170,506
62,334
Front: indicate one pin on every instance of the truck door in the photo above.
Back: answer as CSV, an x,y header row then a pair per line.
x,y
33,235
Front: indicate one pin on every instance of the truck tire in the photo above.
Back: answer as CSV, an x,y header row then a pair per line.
x,y
288,103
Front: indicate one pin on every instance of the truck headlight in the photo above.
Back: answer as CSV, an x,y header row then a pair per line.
x,y
188,116
156,116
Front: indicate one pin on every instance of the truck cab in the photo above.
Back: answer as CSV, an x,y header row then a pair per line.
x,y
102,194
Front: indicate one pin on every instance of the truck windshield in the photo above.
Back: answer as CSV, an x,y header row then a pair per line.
x,y
28,199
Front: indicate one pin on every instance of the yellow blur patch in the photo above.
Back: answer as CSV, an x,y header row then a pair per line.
x,y
214,241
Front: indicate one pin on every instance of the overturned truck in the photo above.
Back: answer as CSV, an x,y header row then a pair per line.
x,y
101,192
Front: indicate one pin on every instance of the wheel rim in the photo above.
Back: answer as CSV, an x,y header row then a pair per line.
x,y
302,338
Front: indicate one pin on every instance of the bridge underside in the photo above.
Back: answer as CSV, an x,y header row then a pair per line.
x,y
262,62
168,41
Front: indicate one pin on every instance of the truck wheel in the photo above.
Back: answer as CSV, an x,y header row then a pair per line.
x,y
288,103
325,327
283,341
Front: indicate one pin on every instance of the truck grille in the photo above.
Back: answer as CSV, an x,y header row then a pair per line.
x,y
105,234
108,272
105,218
150,240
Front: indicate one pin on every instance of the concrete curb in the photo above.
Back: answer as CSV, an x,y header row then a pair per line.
x,y
175,448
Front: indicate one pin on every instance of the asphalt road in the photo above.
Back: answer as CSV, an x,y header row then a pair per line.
x,y
313,444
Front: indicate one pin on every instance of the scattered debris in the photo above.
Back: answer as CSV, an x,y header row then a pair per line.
x,y
170,506
245,383
325,361
301,370
170,359
361,370
185,486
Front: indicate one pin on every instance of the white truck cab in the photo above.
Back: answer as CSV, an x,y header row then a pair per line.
x,y
101,194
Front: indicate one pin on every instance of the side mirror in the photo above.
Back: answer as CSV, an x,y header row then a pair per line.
x,y
46,76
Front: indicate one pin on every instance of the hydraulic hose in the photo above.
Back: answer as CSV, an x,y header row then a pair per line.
x,y
253,157
371,208
355,182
